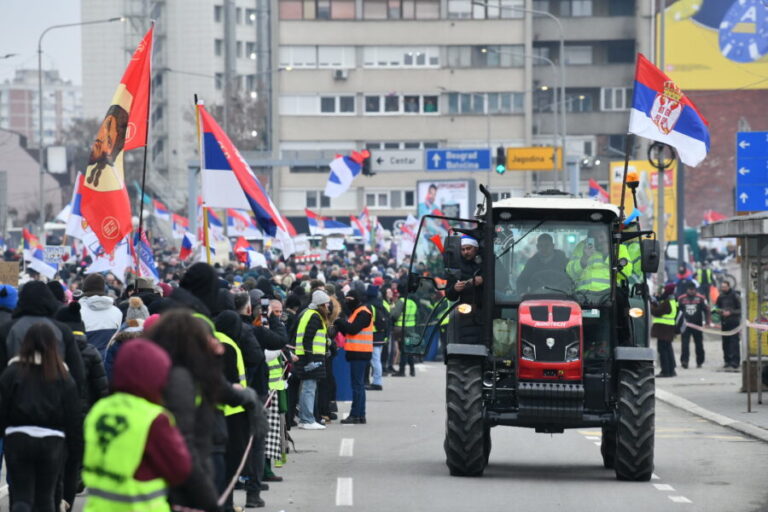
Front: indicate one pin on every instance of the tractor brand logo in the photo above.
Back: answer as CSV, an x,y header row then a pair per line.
x,y
550,324
550,343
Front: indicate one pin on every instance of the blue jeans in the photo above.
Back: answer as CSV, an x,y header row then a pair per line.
x,y
376,364
357,372
307,401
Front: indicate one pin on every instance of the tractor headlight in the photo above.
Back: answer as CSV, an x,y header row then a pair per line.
x,y
636,312
464,308
572,352
529,352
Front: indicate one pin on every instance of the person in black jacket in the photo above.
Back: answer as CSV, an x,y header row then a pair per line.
x,y
359,346
40,416
729,305
468,286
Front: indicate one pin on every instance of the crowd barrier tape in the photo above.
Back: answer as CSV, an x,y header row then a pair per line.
x,y
736,330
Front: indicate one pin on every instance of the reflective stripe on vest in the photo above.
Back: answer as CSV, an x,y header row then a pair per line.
x,y
362,341
276,374
319,341
115,433
596,276
408,315
669,318
226,340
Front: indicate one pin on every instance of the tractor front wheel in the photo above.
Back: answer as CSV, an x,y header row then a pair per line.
x,y
466,445
636,423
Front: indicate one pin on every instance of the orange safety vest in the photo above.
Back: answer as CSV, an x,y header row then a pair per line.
x,y
362,341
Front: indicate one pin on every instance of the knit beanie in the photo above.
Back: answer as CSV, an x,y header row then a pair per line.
x,y
319,297
57,289
94,284
136,313
9,296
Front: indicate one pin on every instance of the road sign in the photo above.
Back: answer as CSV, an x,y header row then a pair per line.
x,y
751,171
397,160
458,159
532,159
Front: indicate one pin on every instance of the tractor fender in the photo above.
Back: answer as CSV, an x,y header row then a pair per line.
x,y
466,349
634,354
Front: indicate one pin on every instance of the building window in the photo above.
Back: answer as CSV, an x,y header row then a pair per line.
x,y
615,98
410,104
485,103
317,9
578,54
490,9
250,16
239,49
409,198
239,15
218,81
621,52
542,52
218,13
298,56
218,47
336,56
400,56
576,8
316,198
317,105
578,102
621,7
486,56
291,9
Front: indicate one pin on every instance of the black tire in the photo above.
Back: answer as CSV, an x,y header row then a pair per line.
x,y
464,427
487,444
636,423
608,447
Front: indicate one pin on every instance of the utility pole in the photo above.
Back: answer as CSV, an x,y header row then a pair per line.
x,y
660,168
230,50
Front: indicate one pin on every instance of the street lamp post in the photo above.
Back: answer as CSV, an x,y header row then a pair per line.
x,y
40,130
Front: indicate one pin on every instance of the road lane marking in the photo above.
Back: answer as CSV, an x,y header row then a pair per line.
x,y
654,476
598,443
593,438
347,447
344,492
679,499
663,487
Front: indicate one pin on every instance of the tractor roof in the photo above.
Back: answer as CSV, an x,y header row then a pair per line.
x,y
556,203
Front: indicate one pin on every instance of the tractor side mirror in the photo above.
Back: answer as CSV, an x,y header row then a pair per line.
x,y
452,256
651,253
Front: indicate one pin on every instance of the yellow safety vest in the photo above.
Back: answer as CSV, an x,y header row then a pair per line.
x,y
116,431
407,317
363,340
320,339
276,374
669,318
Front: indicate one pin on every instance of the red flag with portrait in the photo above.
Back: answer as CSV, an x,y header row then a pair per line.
x,y
105,204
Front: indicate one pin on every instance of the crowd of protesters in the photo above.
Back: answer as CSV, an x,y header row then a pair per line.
x,y
159,394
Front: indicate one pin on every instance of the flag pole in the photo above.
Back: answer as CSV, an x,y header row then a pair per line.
x,y
205,235
146,140
627,146
202,159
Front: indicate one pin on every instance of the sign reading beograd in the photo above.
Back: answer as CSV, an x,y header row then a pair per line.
x,y
539,158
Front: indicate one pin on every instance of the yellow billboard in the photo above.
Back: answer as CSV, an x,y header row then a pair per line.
x,y
717,44
647,195
538,158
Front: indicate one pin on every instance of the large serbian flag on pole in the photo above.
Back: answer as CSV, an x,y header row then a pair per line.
x,y
661,112
105,204
221,162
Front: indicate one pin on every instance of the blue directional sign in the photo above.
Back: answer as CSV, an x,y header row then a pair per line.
x,y
751,171
458,159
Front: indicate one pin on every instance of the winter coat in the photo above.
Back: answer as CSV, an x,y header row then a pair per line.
x,y
662,331
101,320
362,320
273,338
315,322
729,301
95,375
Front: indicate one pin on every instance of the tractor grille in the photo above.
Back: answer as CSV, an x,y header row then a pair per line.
x,y
544,352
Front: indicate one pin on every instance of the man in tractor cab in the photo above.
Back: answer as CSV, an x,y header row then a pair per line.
x,y
465,288
590,265
541,266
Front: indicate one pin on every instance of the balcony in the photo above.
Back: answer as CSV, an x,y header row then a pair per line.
x,y
584,28
590,75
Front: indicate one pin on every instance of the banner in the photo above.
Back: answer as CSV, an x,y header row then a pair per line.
x,y
647,195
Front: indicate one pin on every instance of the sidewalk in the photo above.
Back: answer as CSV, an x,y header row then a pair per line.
x,y
714,395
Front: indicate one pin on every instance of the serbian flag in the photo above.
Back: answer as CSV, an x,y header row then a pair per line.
x,y
105,203
34,254
161,211
179,226
240,223
713,216
146,258
241,249
187,246
289,225
215,227
662,112
319,225
597,192
344,169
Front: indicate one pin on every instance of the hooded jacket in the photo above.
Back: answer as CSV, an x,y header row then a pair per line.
x,y
363,319
101,320
142,369
37,304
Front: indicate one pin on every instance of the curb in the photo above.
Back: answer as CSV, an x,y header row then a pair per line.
x,y
672,399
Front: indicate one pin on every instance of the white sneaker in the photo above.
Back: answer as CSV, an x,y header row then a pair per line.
x,y
311,426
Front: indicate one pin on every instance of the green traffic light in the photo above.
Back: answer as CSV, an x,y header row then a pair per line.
x,y
500,169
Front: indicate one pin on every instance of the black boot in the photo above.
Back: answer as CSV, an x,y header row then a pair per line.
x,y
253,500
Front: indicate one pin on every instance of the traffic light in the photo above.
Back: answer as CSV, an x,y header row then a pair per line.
x,y
366,171
501,160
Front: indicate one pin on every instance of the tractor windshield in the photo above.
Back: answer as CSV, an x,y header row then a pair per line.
x,y
535,257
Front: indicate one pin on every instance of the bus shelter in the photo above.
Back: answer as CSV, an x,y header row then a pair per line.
x,y
752,233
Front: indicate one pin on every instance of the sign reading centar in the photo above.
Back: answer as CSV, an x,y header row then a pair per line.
x,y
540,158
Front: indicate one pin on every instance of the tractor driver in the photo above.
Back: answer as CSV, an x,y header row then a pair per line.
x,y
540,268
470,282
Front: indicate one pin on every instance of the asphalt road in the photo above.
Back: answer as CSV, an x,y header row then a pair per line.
x,y
396,463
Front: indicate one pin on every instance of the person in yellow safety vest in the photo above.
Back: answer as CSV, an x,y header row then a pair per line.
x,y
133,450
311,342
705,278
404,313
358,328
634,269
590,263
664,311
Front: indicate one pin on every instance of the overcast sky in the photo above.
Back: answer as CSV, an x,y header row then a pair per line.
x,y
22,22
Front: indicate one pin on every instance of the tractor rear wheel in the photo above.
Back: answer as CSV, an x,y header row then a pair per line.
x,y
608,447
465,440
635,428
487,442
